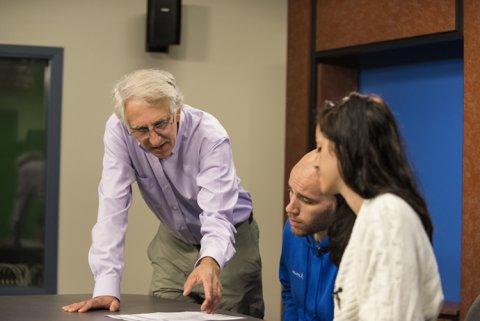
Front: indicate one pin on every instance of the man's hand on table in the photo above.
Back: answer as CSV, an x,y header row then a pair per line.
x,y
208,274
106,302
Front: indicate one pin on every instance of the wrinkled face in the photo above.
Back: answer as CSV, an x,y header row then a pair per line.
x,y
153,126
309,211
327,165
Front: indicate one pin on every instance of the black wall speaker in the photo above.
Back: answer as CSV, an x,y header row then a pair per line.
x,y
163,24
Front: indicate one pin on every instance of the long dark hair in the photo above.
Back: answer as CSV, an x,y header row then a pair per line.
x,y
340,229
370,151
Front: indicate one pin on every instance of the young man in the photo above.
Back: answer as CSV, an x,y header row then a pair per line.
x,y
307,272
182,160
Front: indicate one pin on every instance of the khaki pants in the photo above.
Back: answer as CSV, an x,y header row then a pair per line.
x,y
173,260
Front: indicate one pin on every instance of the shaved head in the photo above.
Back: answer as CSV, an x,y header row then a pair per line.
x,y
309,211
305,171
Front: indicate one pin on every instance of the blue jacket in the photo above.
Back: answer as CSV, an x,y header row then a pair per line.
x,y
308,277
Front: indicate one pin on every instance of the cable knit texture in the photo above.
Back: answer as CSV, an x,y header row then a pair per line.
x,y
388,271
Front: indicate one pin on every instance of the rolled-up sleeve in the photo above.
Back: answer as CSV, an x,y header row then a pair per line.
x,y
217,198
115,195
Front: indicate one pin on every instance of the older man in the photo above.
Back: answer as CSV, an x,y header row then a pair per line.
x,y
307,269
182,160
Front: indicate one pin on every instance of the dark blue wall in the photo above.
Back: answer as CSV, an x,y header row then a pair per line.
x,y
427,99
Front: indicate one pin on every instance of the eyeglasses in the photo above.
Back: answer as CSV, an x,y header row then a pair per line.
x,y
158,127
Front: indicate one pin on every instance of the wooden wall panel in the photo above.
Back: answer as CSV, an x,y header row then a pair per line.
x,y
298,83
344,23
470,284
335,82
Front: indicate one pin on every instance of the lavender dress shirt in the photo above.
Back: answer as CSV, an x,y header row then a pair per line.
x,y
195,192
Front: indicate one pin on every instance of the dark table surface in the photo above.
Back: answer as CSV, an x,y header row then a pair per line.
x,y
49,307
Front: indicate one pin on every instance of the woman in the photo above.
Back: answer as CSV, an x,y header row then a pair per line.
x,y
388,270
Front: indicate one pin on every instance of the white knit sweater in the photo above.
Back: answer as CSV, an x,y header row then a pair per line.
x,y
388,271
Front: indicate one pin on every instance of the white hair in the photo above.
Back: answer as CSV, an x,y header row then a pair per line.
x,y
149,85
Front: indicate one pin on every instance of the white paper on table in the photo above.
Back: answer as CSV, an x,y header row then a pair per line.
x,y
174,316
